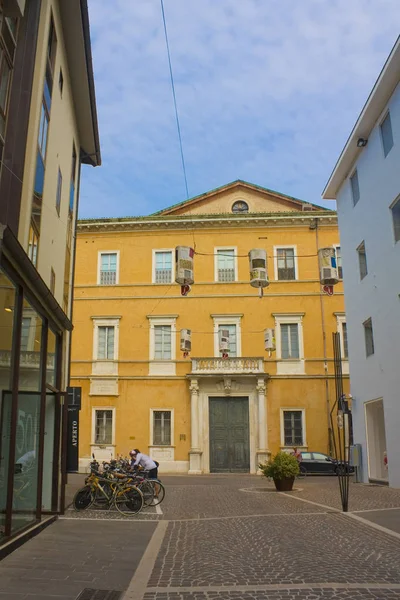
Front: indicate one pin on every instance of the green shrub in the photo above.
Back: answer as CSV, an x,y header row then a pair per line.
x,y
281,466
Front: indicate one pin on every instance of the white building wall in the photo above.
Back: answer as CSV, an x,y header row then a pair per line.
x,y
377,295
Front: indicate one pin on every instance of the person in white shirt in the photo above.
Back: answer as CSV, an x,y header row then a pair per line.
x,y
144,461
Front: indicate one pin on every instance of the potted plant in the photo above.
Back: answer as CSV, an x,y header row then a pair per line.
x,y
282,468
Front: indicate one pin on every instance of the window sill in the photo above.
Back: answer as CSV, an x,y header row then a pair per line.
x,y
161,446
103,445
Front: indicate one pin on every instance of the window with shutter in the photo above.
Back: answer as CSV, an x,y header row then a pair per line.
x,y
162,428
105,349
108,268
293,427
103,427
162,342
290,340
286,264
163,267
226,265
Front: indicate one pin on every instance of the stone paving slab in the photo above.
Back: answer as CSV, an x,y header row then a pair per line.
x,y
72,555
386,518
297,549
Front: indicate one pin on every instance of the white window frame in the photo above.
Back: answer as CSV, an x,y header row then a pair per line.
x,y
336,246
153,262
372,338
289,366
359,249
340,319
381,122
100,253
235,319
157,366
296,266
152,443
355,202
395,229
93,436
303,425
105,322
235,252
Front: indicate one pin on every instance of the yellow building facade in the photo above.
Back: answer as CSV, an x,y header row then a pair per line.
x,y
204,413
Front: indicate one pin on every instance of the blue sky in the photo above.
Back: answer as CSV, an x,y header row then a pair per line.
x,y
267,91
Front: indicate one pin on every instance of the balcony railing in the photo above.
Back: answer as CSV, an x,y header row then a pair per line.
x,y
27,359
163,276
108,277
205,366
226,275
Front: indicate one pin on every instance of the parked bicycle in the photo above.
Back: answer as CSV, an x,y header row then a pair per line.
x,y
115,483
106,490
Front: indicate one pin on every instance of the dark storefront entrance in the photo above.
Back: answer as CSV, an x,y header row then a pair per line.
x,y
229,435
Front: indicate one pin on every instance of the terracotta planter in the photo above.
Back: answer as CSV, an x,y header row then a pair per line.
x,y
284,485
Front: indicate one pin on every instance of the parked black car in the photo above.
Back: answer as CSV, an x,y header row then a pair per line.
x,y
321,464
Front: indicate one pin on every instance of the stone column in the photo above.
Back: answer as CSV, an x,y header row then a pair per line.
x,y
263,453
195,452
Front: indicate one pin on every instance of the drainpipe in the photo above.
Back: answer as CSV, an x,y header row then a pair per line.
x,y
321,300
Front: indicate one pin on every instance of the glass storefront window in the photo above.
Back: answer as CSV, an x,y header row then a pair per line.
x,y
28,420
51,358
26,460
31,342
7,305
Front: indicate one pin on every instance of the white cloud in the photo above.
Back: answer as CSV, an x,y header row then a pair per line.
x,y
267,91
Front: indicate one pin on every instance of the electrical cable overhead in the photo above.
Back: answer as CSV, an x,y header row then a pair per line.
x,y
174,97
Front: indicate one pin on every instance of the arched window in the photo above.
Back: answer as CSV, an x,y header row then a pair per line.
x,y
240,206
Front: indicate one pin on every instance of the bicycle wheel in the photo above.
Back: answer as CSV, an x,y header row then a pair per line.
x,y
129,500
159,491
83,498
147,490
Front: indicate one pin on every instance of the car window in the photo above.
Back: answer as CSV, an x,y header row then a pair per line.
x,y
306,455
318,456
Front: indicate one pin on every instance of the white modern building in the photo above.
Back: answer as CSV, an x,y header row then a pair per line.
x,y
366,184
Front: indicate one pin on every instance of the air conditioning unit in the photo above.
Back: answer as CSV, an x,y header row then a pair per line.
x,y
184,265
258,268
307,207
269,339
223,340
186,340
328,271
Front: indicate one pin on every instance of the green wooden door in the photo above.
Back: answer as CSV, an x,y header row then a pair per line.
x,y
229,435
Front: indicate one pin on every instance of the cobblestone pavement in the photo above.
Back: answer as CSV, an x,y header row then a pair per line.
x,y
221,538
236,538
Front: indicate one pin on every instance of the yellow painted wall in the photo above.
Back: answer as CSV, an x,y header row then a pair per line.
x,y
222,202
136,297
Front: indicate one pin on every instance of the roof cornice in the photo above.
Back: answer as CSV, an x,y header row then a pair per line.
x,y
292,219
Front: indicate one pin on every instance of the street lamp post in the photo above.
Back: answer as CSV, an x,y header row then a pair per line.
x,y
340,417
